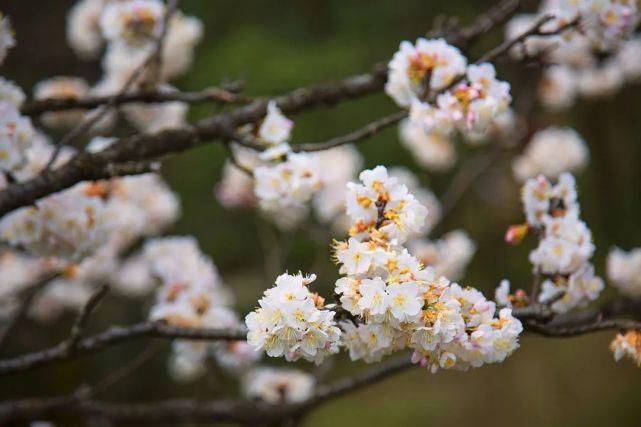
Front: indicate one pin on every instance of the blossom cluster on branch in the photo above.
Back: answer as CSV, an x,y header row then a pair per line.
x,y
398,289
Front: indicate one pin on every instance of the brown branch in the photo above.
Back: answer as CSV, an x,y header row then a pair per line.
x,y
224,95
113,336
185,411
83,317
494,17
92,166
576,330
365,132
347,385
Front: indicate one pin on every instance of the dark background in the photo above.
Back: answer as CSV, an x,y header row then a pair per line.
x,y
277,46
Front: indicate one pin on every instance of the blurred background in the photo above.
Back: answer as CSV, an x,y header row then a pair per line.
x,y
278,46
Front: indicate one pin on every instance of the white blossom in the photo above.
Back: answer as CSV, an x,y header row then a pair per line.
x,y
133,23
278,386
83,27
552,151
624,271
413,63
432,150
11,93
558,87
275,128
448,256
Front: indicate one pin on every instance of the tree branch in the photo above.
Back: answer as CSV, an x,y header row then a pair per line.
x,y
185,410
224,95
113,336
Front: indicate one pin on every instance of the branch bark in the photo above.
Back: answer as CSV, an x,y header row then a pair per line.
x,y
113,336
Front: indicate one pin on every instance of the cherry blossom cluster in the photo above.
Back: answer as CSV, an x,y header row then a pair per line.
x,y
79,232
76,222
189,293
128,31
624,271
283,182
293,322
550,152
592,59
444,94
395,302
565,246
70,224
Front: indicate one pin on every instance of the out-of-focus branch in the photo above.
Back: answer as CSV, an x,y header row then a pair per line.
x,y
189,411
347,385
365,132
26,300
113,336
494,17
464,178
93,166
83,317
224,95
561,331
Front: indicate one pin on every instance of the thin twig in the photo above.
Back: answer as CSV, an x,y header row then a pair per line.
x,y
25,304
366,131
125,371
83,317
465,177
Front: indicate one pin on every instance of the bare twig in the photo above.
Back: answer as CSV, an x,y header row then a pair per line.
x,y
25,304
366,131
83,317
125,371
464,178
486,22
